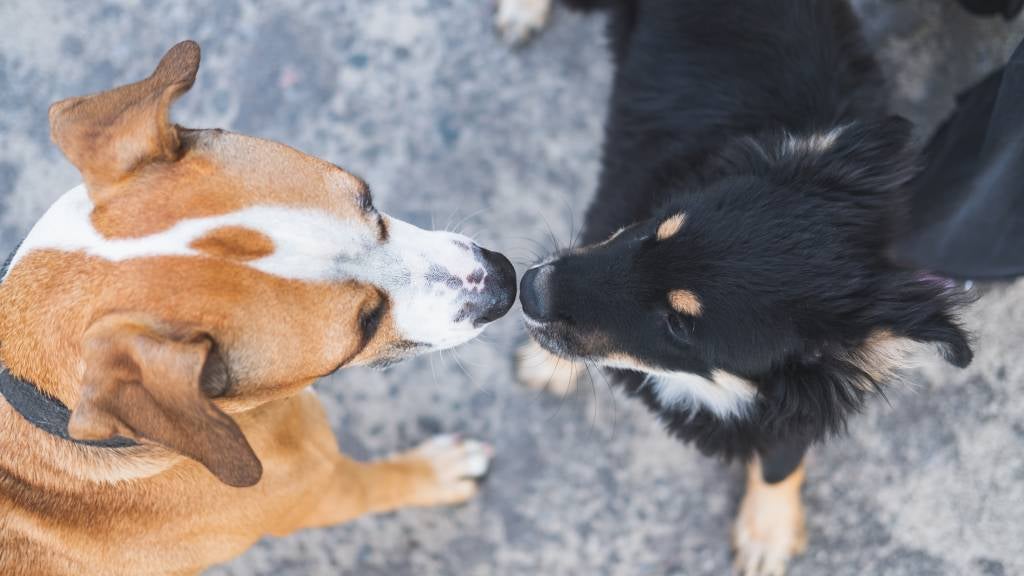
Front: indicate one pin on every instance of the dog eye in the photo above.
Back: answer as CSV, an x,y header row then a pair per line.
x,y
369,319
678,327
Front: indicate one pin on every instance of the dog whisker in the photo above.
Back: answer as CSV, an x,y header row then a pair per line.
x,y
574,234
433,370
459,224
466,372
448,221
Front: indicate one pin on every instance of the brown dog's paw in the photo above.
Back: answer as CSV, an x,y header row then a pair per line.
x,y
454,467
516,20
541,370
770,526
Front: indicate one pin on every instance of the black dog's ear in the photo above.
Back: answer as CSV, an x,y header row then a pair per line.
x,y
875,156
925,308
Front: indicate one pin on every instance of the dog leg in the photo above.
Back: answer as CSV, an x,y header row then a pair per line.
x,y
443,470
541,370
516,20
770,526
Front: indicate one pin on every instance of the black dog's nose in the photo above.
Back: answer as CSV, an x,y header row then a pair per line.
x,y
534,292
499,291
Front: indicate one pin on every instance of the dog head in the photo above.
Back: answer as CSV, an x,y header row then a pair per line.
x,y
766,278
201,264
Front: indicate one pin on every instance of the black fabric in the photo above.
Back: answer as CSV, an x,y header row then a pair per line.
x,y
968,205
1007,8
779,460
46,413
43,412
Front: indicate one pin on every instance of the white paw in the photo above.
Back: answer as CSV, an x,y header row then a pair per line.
x,y
458,465
541,370
760,558
769,531
516,20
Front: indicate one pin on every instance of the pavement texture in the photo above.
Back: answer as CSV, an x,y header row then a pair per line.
x,y
455,129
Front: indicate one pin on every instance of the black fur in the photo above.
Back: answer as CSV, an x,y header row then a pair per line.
x,y
766,124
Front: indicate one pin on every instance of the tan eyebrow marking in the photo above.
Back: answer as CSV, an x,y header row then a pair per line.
x,y
234,243
685,302
671,226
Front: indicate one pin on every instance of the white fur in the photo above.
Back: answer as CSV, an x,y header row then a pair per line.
x,y
517,19
401,266
725,394
309,245
814,143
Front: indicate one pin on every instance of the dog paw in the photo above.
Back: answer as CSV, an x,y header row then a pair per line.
x,y
541,370
455,468
516,20
769,531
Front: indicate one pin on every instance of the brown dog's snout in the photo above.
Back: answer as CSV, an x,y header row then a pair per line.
x,y
499,288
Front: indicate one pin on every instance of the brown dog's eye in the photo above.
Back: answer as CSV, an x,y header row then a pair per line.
x,y
369,319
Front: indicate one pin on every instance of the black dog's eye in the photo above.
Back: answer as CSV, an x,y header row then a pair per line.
x,y
678,327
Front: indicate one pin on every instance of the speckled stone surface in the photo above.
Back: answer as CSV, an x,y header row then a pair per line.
x,y
451,127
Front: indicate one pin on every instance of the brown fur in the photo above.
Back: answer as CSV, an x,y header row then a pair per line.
x,y
770,526
202,360
235,243
685,302
670,227
182,519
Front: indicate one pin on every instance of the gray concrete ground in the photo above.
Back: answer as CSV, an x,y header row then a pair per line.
x,y
452,128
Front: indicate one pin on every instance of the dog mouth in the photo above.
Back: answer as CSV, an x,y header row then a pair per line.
x,y
550,337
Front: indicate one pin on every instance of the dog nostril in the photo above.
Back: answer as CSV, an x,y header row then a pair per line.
x,y
534,292
499,287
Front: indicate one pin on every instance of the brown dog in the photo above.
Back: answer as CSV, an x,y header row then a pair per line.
x,y
160,323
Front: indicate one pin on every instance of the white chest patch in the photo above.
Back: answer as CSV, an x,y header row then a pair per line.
x,y
726,395
308,244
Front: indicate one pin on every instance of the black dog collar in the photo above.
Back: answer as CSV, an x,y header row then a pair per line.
x,y
46,413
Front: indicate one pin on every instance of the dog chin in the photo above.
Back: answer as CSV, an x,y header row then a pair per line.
x,y
408,350
456,338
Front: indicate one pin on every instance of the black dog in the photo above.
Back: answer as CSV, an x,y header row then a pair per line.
x,y
736,268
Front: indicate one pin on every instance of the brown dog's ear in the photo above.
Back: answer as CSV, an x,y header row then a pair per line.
x,y
110,134
144,381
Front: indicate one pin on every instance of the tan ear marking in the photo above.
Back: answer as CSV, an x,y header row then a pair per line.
x,y
671,226
234,243
685,302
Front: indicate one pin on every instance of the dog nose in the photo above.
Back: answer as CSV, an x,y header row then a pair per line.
x,y
534,292
499,291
